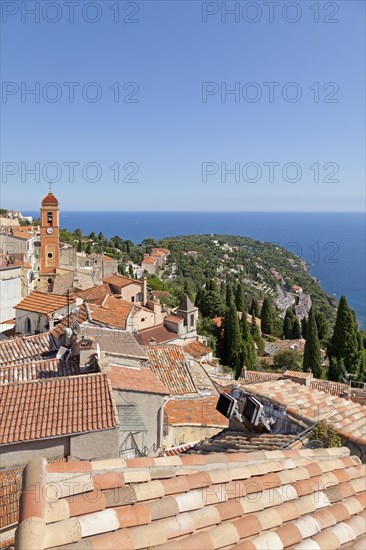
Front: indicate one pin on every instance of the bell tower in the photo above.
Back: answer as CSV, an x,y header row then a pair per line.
x,y
50,238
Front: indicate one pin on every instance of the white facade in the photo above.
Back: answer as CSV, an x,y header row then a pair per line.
x,y
10,291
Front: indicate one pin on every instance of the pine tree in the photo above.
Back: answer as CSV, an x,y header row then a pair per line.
x,y
312,357
344,343
267,317
239,299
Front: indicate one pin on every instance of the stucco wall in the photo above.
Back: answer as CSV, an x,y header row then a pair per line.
x,y
20,453
177,435
95,445
149,408
10,292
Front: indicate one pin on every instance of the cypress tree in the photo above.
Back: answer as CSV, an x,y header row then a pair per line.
x,y
256,336
336,369
296,333
322,325
239,298
254,308
288,324
130,271
267,317
248,349
312,357
304,324
229,295
344,342
233,340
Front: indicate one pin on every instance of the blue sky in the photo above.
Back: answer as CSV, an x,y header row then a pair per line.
x,y
174,144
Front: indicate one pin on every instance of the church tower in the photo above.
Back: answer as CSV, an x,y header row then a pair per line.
x,y
50,239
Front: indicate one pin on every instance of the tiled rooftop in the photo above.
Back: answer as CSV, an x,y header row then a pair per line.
x,y
136,379
41,302
49,368
236,441
328,386
197,349
263,500
67,321
28,348
252,376
121,281
112,312
195,411
159,334
56,406
173,319
96,294
169,365
114,341
311,405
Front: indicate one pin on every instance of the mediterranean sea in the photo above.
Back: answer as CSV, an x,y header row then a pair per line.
x,y
332,243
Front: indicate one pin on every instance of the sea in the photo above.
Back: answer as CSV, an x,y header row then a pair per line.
x,y
333,244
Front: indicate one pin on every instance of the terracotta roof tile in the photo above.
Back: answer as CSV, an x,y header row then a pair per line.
x,y
158,334
136,379
42,302
121,281
197,349
169,365
28,348
56,406
220,504
195,411
34,370
312,405
113,312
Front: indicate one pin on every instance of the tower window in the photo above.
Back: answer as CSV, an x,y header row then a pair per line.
x,y
50,255
49,217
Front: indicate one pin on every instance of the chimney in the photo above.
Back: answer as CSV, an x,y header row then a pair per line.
x,y
86,351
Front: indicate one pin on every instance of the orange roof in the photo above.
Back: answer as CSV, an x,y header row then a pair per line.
x,y
28,348
80,318
108,259
95,294
160,251
53,407
42,302
307,498
197,349
22,235
311,405
121,281
50,199
173,319
169,365
196,411
149,260
113,312
136,379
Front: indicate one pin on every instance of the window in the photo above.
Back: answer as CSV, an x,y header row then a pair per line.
x,y
132,298
49,217
28,326
139,297
50,254
192,320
